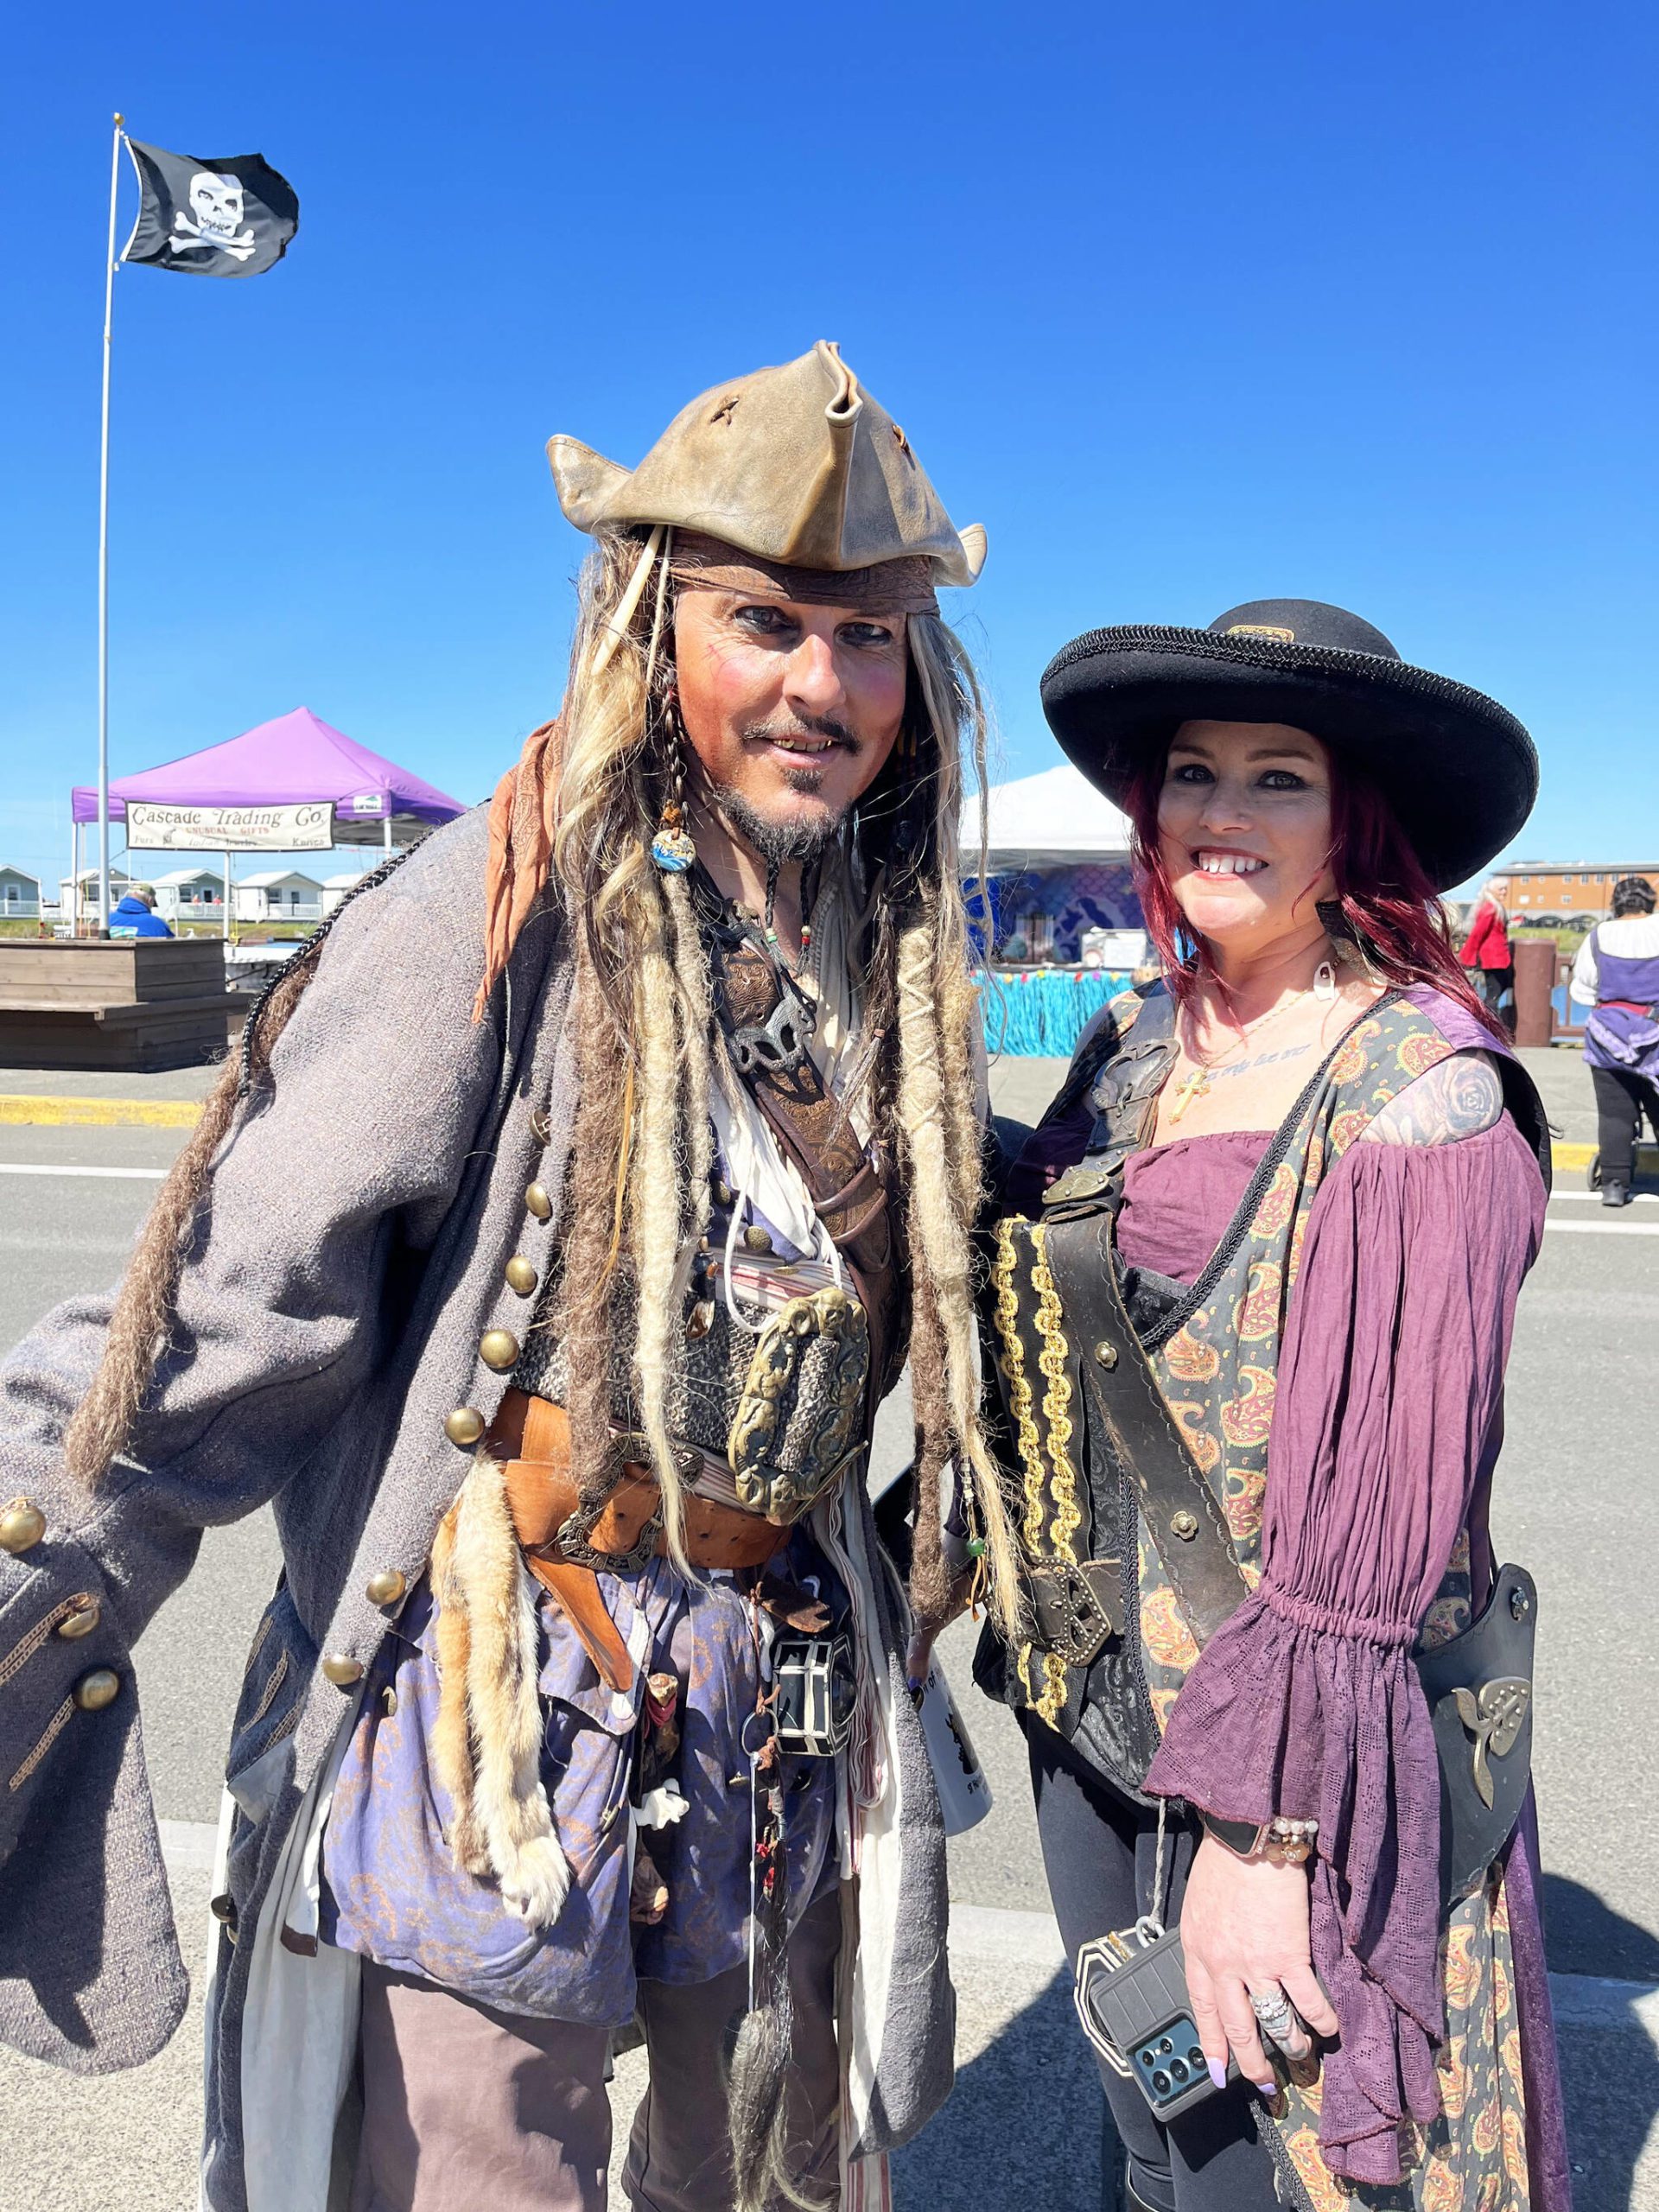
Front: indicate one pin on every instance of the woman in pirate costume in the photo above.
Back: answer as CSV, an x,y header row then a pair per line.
x,y
1249,1303
552,1310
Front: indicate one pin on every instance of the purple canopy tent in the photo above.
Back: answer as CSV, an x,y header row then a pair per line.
x,y
298,759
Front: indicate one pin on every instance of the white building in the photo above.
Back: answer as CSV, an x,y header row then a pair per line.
x,y
279,895
19,895
84,908
190,895
337,887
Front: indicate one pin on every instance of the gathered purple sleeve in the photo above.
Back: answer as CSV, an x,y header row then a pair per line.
x,y
1306,1702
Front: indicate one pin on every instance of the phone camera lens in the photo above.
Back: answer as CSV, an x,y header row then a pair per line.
x,y
1160,2083
1177,2067
1195,2056
1165,2044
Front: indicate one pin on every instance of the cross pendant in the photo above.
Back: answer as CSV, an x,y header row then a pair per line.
x,y
1195,1087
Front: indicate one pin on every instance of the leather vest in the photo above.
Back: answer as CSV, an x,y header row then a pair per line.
x,y
805,1395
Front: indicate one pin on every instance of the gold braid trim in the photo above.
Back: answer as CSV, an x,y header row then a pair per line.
x,y
1057,1401
1049,1706
1020,1397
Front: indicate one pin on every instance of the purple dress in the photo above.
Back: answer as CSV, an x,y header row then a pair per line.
x,y
1388,1423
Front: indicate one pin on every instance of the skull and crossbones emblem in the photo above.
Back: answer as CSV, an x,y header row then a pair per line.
x,y
219,212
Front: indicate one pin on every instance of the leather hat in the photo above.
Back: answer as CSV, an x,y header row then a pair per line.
x,y
1460,771
797,464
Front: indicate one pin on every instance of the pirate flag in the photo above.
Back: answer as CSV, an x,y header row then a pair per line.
x,y
231,217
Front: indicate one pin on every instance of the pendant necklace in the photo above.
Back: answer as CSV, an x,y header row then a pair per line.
x,y
1197,1085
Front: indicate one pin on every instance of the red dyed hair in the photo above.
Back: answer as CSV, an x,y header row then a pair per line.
x,y
1386,898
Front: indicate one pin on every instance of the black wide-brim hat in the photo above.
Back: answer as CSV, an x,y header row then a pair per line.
x,y
1460,771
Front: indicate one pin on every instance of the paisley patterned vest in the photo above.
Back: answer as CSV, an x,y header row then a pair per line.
x,y
1214,1352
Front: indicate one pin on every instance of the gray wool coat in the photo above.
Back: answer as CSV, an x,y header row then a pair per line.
x,y
348,1259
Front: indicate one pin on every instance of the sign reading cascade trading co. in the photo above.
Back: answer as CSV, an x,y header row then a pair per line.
x,y
308,828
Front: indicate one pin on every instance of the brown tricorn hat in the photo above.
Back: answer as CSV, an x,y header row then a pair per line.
x,y
797,464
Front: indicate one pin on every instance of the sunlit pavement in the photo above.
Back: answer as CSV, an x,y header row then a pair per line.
x,y
1577,1502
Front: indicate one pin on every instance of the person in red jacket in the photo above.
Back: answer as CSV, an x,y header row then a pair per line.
x,y
1486,951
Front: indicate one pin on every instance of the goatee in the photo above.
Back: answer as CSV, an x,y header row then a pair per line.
x,y
779,842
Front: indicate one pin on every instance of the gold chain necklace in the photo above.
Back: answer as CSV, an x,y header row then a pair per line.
x,y
1197,1085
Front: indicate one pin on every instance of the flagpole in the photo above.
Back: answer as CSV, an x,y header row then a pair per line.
x,y
103,564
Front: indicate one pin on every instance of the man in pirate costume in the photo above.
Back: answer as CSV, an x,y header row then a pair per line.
x,y
542,1260
1249,1299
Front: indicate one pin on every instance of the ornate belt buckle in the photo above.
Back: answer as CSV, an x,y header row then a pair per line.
x,y
1073,1617
574,1540
836,1435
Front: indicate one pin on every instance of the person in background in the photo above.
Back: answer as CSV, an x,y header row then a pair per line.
x,y
135,915
1616,975
1487,953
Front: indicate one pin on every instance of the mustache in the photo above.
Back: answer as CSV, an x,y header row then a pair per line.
x,y
785,726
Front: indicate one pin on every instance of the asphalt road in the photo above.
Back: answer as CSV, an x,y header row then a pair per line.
x,y
1576,1501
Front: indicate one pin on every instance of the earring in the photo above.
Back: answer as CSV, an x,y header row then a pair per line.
x,y
1324,983
671,847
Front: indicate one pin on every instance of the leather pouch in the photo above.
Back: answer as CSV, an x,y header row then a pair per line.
x,y
1478,1686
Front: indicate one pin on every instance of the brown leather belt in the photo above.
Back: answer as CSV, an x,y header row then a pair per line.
x,y
530,1439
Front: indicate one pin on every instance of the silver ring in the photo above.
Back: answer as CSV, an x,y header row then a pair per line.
x,y
1274,2013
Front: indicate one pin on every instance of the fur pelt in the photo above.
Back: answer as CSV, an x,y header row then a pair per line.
x,y
486,1745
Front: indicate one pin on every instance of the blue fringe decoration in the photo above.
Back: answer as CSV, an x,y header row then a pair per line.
x,y
1036,1012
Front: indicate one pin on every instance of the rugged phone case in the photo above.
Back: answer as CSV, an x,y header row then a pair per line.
x,y
1132,2000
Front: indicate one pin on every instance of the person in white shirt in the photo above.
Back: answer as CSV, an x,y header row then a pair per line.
x,y
1616,975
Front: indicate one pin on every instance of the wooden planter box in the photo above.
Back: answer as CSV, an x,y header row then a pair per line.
x,y
134,1004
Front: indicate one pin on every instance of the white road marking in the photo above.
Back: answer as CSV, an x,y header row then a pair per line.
x,y
119,1174
1005,1934
1593,1198
1604,1228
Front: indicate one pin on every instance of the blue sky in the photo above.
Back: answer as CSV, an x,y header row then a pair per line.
x,y
1187,304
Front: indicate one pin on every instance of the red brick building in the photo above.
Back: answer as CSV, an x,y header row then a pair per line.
x,y
1532,888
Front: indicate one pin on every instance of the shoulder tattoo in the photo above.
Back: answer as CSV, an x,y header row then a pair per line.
x,y
1459,1097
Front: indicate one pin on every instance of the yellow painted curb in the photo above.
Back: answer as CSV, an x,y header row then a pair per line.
x,y
184,1113
100,1113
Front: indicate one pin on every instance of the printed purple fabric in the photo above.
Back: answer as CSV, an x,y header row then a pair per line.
x,y
391,1889
1304,1702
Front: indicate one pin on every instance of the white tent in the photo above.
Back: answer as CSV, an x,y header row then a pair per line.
x,y
1054,819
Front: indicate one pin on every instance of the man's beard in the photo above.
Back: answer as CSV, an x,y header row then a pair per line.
x,y
779,842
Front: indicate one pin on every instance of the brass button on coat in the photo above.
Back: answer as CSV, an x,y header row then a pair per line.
x,y
499,1348
1184,1524
541,1124
1106,1354
465,1425
94,1691
540,1204
81,1622
386,1587
341,1669
521,1276
22,1526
